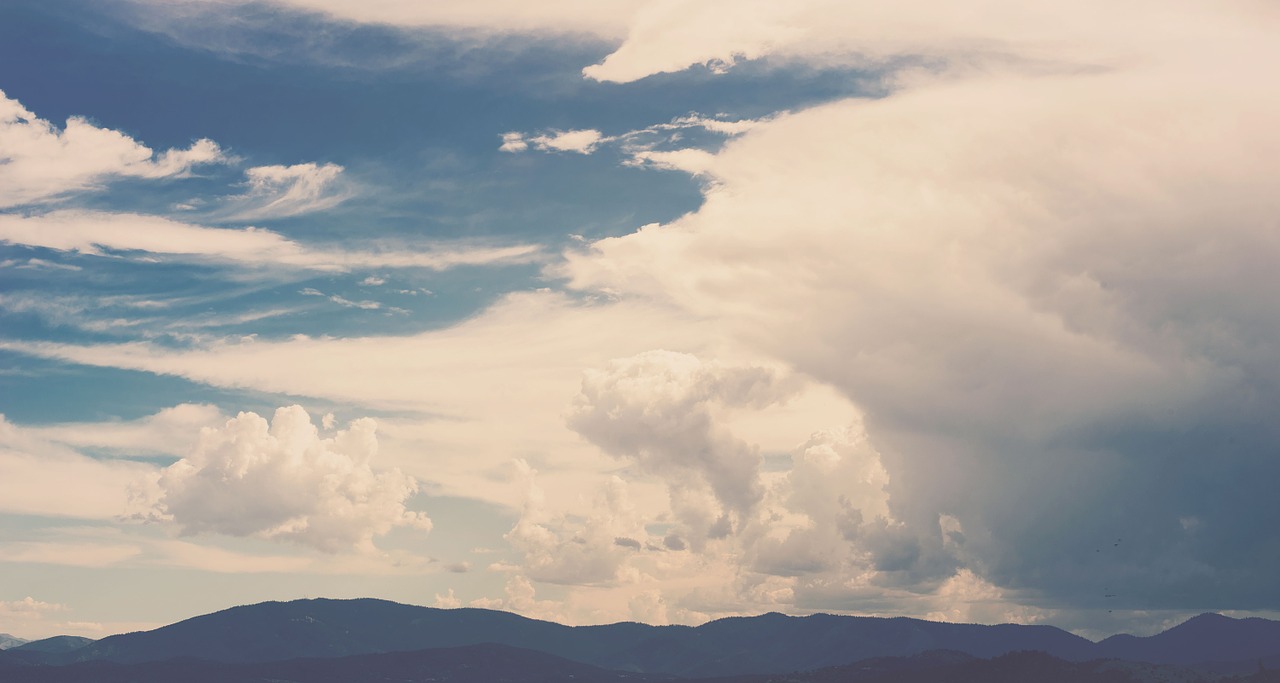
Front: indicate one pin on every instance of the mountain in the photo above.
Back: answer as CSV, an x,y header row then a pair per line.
x,y
1203,639
771,643
766,644
333,628
472,664
55,645
500,664
7,641
775,643
1015,667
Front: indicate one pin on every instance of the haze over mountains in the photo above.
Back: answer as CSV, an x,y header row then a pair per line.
x,y
316,640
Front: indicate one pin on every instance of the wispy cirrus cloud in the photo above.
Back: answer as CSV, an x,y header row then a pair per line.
x,y
98,233
278,191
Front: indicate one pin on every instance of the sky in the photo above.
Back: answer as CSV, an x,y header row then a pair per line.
x,y
650,310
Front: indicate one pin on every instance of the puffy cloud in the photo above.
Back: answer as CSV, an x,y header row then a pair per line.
x,y
281,480
1046,291
571,548
44,163
654,408
92,232
494,379
828,508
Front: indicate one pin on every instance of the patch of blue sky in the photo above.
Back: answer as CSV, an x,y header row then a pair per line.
x,y
34,391
414,118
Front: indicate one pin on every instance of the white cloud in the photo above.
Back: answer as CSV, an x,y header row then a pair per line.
x,y
1032,278
43,162
42,477
99,233
561,548
276,191
654,408
448,601
672,35
580,141
172,431
280,480
640,144
691,161
513,141
28,607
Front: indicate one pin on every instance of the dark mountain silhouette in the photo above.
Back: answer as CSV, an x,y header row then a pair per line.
x,y
1015,667
1202,639
766,644
472,664
771,643
501,664
774,643
53,650
56,644
7,660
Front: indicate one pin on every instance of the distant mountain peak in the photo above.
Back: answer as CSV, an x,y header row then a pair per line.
x,y
7,641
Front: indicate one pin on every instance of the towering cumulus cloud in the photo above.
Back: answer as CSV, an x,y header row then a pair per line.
x,y
655,408
281,480
1047,286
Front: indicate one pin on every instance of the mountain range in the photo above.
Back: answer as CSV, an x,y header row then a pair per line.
x,y
315,640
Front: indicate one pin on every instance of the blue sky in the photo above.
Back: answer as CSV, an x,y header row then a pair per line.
x,y
661,311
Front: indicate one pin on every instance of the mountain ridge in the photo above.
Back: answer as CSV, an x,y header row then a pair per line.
x,y
8,641
766,644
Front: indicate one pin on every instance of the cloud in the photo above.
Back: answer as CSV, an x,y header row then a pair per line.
x,y
43,163
580,141
640,144
830,509
671,36
172,431
489,16
513,141
28,607
667,36
277,191
560,548
41,477
1043,285
691,161
280,480
654,408
97,233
